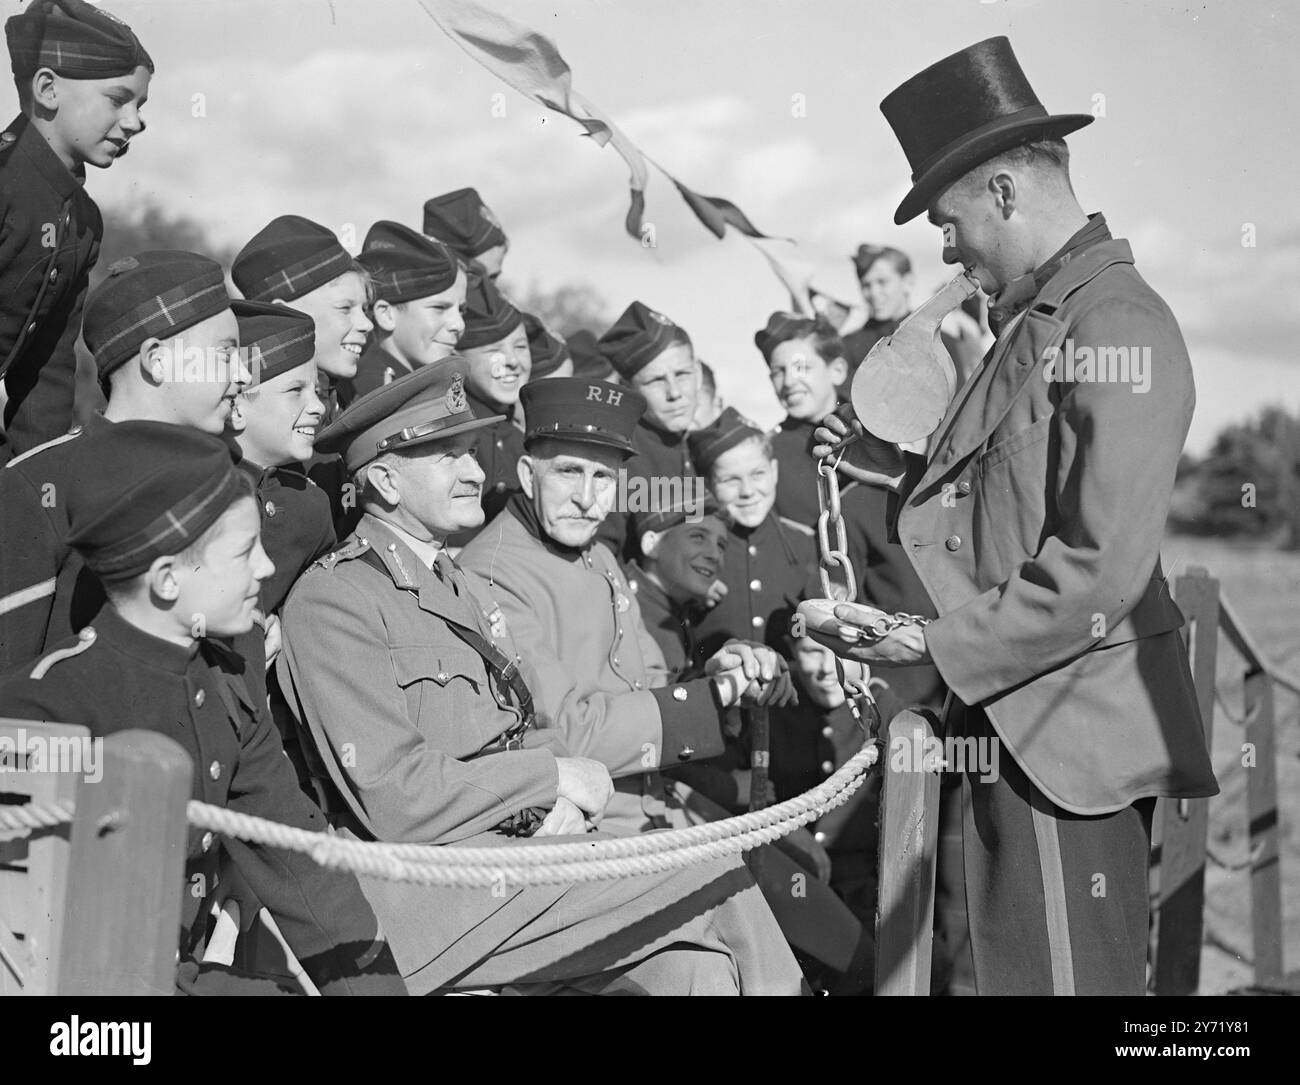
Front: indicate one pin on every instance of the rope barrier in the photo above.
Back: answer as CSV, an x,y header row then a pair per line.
x,y
534,864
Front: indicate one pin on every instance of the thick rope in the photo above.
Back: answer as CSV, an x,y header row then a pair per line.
x,y
538,864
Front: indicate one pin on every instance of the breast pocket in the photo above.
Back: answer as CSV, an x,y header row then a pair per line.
x,y
444,686
1012,488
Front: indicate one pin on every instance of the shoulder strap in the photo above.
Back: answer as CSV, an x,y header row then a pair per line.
x,y
84,640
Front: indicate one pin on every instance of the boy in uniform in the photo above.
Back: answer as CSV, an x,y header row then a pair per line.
x,y
467,226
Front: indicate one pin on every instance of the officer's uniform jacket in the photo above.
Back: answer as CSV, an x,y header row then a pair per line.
x,y
1035,528
406,716
113,677
597,674
46,594
767,570
659,455
886,578
50,231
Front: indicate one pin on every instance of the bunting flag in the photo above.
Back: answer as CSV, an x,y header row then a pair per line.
x,y
530,62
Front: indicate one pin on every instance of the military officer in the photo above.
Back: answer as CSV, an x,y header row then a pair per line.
x,y
655,356
418,313
548,351
498,361
163,519
425,732
67,56
602,680
806,362
150,313
1035,525
770,562
467,226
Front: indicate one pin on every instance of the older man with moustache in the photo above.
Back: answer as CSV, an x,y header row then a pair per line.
x,y
1035,525
424,731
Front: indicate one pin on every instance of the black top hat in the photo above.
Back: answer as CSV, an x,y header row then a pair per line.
x,y
962,111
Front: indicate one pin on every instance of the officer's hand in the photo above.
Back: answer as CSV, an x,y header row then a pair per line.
x,y
865,457
271,642
565,819
585,783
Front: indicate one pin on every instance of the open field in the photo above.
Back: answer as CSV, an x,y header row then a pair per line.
x,y
1264,588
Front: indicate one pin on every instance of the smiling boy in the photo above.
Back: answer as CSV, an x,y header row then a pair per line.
x,y
82,79
167,525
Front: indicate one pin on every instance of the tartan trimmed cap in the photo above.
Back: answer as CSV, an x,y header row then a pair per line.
x,y
74,39
664,515
288,257
577,409
638,337
548,350
588,361
489,318
463,222
146,489
426,405
781,328
275,337
728,430
152,295
405,265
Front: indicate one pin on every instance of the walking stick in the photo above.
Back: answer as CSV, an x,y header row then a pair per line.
x,y
760,736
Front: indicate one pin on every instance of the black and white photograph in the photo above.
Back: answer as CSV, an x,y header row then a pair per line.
x,y
655,497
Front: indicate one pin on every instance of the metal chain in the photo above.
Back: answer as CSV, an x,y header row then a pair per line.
x,y
834,556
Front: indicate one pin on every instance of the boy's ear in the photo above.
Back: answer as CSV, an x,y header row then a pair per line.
x,y
153,366
650,543
162,579
385,315
43,89
839,368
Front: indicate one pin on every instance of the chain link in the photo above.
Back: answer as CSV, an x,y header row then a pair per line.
x,y
833,555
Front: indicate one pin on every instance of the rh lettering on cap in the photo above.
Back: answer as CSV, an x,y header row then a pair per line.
x,y
596,392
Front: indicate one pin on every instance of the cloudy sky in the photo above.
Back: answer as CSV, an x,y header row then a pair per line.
x,y
347,111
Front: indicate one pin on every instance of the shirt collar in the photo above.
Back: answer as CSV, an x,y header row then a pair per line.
x,y
1019,294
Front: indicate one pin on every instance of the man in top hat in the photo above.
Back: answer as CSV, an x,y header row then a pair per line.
x,y
654,356
467,226
426,732
769,562
165,522
82,78
805,360
166,347
498,361
1035,525
603,682
549,352
419,293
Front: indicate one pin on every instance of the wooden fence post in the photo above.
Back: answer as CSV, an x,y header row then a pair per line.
x,y
126,870
909,838
1262,830
1178,851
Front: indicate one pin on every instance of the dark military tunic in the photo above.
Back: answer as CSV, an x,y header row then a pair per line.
x,y
50,231
375,368
886,578
113,677
670,623
659,455
767,571
46,593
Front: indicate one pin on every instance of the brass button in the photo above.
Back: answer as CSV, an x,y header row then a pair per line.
x,y
828,731
679,694
214,770
616,659
200,697
500,487
87,634
753,551
686,752
54,275
819,836
828,767
270,508
756,622
636,684
443,676
206,842
755,585
952,542
963,486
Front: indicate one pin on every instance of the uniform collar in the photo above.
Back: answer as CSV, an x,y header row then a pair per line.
x,y
145,647
1019,294
33,146
403,555
520,506
649,431
485,408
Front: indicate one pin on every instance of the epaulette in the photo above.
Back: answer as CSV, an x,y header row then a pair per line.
x,y
349,550
74,432
84,640
794,525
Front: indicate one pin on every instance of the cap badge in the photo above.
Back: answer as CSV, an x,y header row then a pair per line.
x,y
127,263
456,401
